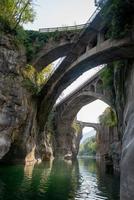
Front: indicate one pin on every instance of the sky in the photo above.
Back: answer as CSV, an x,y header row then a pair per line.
x,y
59,13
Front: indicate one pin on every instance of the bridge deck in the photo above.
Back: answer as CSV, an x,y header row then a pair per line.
x,y
62,29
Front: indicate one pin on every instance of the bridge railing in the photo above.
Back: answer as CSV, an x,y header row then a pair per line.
x,y
70,28
61,29
76,27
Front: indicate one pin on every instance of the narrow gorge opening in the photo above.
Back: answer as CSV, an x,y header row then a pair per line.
x,y
89,118
87,147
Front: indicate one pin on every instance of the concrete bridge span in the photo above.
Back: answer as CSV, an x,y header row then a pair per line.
x,y
67,109
103,53
51,52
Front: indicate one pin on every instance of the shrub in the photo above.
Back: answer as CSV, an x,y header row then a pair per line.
x,y
118,15
108,118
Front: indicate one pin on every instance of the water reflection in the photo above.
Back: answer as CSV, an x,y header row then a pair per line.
x,y
28,170
100,184
58,180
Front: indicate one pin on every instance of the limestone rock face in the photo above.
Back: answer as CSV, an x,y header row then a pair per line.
x,y
45,146
17,112
67,140
109,146
127,161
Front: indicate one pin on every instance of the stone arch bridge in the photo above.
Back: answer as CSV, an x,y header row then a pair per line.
x,y
96,126
67,109
92,48
56,46
88,92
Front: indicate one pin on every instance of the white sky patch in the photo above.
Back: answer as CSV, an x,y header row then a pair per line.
x,y
92,111
60,13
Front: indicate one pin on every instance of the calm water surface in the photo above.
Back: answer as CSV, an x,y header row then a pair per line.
x,y
60,180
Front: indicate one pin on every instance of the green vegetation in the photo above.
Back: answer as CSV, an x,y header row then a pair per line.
x,y
108,118
34,81
107,76
76,126
108,73
34,40
118,15
50,126
89,147
15,13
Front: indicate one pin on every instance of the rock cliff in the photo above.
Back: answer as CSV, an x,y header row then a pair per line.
x,y
109,147
17,111
127,164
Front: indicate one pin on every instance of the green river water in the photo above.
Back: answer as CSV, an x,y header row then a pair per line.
x,y
58,180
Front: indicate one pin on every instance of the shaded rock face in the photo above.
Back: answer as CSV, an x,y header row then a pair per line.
x,y
67,140
127,161
17,111
45,146
109,146
20,138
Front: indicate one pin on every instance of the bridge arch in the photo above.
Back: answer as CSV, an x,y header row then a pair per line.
x,y
69,111
50,53
105,52
95,126
66,119
75,103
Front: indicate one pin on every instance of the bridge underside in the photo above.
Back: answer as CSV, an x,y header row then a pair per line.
x,y
67,111
45,57
106,52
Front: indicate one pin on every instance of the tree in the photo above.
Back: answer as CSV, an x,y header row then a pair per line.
x,y
16,12
118,15
108,117
89,147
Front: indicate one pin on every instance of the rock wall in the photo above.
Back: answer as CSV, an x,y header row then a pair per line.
x,y
109,147
67,139
124,105
20,137
17,108
127,162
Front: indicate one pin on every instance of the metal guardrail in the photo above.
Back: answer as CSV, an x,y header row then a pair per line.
x,y
61,29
